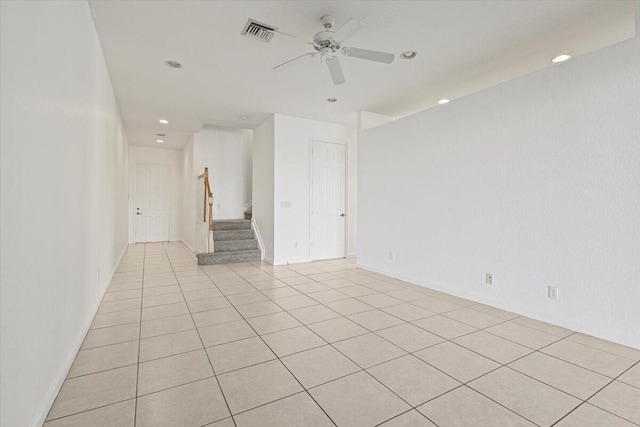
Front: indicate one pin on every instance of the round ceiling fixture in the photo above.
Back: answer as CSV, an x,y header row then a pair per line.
x,y
161,141
561,58
173,64
443,101
332,99
410,54
244,117
163,121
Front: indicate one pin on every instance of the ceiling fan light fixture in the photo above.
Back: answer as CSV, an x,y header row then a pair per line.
x,y
409,54
561,58
161,141
163,121
443,101
332,99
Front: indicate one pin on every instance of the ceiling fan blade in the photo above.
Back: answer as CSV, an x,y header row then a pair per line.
x,y
371,55
346,30
293,61
335,70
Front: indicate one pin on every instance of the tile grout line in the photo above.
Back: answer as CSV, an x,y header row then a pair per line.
x,y
442,314
446,340
586,401
365,370
203,348
281,362
344,355
89,410
247,281
135,409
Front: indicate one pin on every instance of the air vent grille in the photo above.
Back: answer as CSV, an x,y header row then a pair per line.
x,y
259,31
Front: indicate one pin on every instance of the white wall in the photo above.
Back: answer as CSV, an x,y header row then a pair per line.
x,y
189,180
352,194
292,183
368,120
536,180
63,197
227,154
158,156
262,187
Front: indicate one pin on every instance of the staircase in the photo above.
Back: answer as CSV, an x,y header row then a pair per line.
x,y
233,241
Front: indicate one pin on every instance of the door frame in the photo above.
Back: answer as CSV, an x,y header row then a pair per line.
x,y
135,196
346,194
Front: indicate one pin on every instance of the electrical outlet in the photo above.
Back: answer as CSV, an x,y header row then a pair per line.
x,y
554,292
392,255
489,279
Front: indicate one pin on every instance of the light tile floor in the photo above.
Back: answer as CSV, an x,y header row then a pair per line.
x,y
327,343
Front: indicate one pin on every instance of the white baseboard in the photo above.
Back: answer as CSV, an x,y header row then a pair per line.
x,y
188,246
57,385
189,249
268,260
294,261
603,333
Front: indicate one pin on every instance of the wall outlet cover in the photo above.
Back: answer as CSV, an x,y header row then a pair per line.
x,y
554,293
489,279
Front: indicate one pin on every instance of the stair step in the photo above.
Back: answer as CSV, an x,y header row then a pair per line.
x,y
228,257
232,235
235,245
234,224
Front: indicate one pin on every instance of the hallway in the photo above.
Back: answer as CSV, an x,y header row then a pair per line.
x,y
327,343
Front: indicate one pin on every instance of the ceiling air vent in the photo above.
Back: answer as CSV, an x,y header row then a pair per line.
x,y
259,31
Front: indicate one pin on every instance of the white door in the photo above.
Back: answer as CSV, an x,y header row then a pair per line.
x,y
152,203
327,200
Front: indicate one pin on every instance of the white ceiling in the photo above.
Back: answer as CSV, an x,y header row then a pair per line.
x,y
463,47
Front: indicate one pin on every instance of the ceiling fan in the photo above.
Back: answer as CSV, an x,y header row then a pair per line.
x,y
329,43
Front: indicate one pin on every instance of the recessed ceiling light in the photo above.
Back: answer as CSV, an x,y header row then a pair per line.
x,y
163,121
173,64
561,58
244,117
160,140
332,99
443,101
410,54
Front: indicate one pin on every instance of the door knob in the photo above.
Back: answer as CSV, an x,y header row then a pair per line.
x,y
341,214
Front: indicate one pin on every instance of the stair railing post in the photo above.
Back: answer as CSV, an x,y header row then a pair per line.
x,y
208,198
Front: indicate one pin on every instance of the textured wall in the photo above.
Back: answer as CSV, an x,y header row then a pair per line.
x,y
536,180
64,197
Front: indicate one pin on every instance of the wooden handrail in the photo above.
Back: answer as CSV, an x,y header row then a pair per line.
x,y
208,199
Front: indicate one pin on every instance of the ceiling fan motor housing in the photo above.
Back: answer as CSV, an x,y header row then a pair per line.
x,y
322,40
